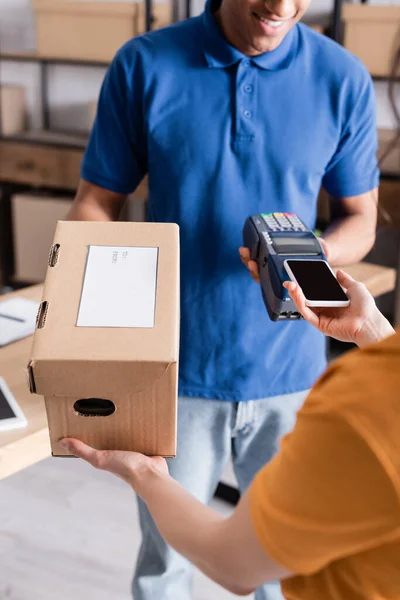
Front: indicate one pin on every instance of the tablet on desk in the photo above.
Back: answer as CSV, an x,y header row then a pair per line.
x,y
11,415
17,319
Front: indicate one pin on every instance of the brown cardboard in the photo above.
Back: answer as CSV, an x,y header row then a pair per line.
x,y
90,30
52,164
162,16
34,221
134,368
13,109
371,33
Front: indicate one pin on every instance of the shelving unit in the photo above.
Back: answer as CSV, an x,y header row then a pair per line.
x,y
28,151
337,35
45,62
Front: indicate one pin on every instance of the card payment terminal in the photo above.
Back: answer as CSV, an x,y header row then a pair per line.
x,y
273,238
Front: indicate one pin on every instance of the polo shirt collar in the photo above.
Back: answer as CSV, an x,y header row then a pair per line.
x,y
219,53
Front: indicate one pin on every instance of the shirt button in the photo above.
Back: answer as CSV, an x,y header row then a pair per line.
x,y
247,114
248,88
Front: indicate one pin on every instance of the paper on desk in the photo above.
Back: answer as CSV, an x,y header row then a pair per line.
x,y
17,319
119,288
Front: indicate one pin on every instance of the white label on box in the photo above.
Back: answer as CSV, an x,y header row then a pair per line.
x,y
119,289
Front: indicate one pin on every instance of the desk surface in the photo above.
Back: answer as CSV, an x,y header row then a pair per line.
x,y
379,280
24,447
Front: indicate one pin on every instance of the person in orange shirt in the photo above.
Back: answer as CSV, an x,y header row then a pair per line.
x,y
324,515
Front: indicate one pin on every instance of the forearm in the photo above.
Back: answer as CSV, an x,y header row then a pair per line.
x,y
350,239
191,528
88,211
93,203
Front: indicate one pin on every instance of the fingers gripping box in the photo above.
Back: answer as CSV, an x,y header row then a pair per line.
x,y
105,349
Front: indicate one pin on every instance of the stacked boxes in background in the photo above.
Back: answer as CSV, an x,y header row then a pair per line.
x,y
13,109
90,30
372,34
34,221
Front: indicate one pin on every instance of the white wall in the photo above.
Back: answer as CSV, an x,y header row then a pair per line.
x,y
72,88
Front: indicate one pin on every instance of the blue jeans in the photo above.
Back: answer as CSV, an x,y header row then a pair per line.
x,y
209,432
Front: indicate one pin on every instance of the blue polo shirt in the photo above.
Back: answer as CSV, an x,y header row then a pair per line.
x,y
223,136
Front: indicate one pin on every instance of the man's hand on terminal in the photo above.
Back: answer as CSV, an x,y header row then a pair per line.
x,y
250,264
253,267
361,322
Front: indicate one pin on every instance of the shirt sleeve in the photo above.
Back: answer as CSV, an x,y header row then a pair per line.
x,y
326,495
353,169
115,158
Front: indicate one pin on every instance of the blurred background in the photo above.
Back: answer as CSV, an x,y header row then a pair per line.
x,y
61,535
53,57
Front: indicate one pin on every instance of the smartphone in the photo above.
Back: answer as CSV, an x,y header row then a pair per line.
x,y
318,282
11,415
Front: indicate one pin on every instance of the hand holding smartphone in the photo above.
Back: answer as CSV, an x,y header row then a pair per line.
x,y
317,281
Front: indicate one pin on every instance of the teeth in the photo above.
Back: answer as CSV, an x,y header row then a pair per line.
x,y
271,23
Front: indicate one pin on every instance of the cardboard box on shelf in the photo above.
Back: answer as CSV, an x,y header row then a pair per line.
x,y
34,221
162,15
28,161
317,28
91,30
371,33
105,351
13,109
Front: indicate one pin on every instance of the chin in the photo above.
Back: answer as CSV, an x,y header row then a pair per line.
x,y
267,45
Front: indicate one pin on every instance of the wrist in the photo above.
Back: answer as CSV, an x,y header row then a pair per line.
x,y
373,330
145,479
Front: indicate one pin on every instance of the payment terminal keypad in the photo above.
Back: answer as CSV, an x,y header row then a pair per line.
x,y
283,222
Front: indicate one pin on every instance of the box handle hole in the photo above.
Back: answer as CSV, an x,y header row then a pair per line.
x,y
53,256
94,407
41,315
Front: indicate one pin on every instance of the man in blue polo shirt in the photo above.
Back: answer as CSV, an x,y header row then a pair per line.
x,y
238,111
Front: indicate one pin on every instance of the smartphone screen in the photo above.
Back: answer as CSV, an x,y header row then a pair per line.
x,y
6,412
317,280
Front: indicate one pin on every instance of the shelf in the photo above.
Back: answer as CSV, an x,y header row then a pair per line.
x,y
385,77
64,139
33,57
390,176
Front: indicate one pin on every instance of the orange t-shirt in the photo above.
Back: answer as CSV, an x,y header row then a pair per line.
x,y
328,506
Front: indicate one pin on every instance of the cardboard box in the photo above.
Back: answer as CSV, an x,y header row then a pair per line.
x,y
105,351
162,16
13,110
90,30
371,33
391,163
34,221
